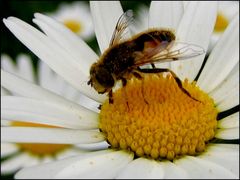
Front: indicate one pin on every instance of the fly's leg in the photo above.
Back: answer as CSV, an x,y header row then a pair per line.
x,y
110,97
178,81
124,83
153,66
138,76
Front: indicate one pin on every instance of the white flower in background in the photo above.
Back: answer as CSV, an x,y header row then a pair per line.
x,y
19,155
77,125
77,17
227,10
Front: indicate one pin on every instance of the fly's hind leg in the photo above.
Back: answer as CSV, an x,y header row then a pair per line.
x,y
178,81
110,97
124,83
138,76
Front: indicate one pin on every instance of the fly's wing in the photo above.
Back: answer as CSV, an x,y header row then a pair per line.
x,y
168,51
121,27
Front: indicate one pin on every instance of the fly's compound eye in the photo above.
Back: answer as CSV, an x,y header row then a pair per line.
x,y
105,78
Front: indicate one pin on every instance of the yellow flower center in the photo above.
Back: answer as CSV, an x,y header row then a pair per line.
x,y
154,118
73,25
39,149
221,23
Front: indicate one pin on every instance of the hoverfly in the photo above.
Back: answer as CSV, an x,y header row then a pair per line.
x,y
123,58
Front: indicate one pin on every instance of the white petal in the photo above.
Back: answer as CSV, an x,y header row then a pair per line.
x,y
229,8
227,156
53,54
231,121
94,146
204,169
230,133
70,152
165,14
27,89
49,135
224,147
4,92
5,122
46,76
214,39
68,40
230,101
13,164
7,64
142,168
34,161
25,67
172,171
105,15
227,87
43,112
70,93
47,159
88,103
102,164
8,149
222,59
185,4
50,80
195,27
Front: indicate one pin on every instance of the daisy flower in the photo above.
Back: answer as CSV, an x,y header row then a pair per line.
x,y
77,17
160,132
19,155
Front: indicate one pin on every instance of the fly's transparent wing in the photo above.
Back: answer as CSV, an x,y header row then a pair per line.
x,y
121,27
169,51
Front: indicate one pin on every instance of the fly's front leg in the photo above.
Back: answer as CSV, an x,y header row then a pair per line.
x,y
178,81
153,65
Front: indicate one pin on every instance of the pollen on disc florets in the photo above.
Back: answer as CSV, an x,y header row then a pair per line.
x,y
154,118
